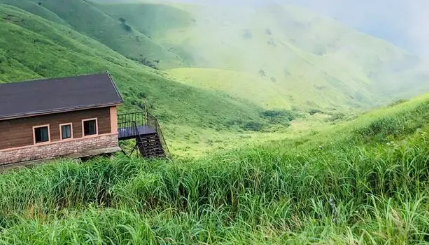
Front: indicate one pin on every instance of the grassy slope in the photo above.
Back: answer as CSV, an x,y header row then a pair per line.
x,y
240,84
31,47
312,67
320,61
374,168
364,182
301,51
206,40
89,20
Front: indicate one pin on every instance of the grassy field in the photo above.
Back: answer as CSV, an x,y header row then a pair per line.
x,y
363,182
263,117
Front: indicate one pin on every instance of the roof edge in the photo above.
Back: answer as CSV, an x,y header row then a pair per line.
x,y
55,78
60,110
114,86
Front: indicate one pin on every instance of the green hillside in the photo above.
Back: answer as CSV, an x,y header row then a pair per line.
x,y
311,61
260,108
83,17
239,84
364,182
32,47
318,60
223,69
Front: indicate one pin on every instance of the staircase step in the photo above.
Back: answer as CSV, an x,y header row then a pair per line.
x,y
153,152
150,146
147,149
149,143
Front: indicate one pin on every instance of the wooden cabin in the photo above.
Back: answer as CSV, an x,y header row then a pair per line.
x,y
61,117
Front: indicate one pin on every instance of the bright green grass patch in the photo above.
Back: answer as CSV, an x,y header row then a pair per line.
x,y
349,190
265,93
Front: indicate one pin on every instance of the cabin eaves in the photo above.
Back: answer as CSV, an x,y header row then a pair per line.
x,y
57,95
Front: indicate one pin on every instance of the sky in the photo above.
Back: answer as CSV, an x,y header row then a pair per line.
x,y
401,22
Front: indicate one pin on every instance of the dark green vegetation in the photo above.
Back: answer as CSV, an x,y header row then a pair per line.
x,y
364,181
358,184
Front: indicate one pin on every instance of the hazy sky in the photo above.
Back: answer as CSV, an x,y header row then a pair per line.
x,y
402,22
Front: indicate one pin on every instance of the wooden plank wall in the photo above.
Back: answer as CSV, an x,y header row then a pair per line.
x,y
19,132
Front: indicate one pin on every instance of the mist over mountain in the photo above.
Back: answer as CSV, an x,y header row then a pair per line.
x,y
299,54
400,22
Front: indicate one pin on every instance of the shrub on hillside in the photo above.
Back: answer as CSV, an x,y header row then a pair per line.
x,y
145,61
253,126
125,25
282,117
381,129
337,117
314,111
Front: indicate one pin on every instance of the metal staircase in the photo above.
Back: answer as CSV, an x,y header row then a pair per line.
x,y
145,129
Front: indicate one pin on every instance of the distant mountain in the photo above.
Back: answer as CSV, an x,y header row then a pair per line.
x,y
311,59
275,56
34,47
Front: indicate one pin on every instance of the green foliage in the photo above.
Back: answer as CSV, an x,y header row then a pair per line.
x,y
328,63
337,117
314,111
165,36
329,188
383,128
86,18
127,27
282,117
253,126
32,47
398,125
365,182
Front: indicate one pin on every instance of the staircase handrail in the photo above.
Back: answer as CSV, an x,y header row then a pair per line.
x,y
153,122
136,127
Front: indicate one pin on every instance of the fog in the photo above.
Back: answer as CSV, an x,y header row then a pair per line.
x,y
401,22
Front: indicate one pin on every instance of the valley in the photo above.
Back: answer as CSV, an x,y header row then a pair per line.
x,y
284,126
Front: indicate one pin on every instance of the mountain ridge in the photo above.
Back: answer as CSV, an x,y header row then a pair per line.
x,y
355,65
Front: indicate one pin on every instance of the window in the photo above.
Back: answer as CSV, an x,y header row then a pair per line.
x,y
90,127
41,134
66,131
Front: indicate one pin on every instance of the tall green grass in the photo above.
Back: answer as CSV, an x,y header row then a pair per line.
x,y
366,182
344,192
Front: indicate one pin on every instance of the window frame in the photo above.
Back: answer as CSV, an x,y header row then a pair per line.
x,y
83,127
49,134
61,131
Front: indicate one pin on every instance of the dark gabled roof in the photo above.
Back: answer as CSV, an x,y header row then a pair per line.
x,y
46,96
